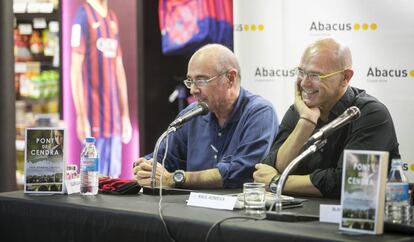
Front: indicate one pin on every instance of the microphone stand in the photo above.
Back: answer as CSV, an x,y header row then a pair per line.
x,y
155,156
278,215
153,189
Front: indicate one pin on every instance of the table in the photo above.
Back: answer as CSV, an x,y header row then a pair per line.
x,y
135,218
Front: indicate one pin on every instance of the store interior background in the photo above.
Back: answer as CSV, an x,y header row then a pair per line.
x,y
157,76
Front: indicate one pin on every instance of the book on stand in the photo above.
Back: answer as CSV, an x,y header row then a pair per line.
x,y
44,160
363,191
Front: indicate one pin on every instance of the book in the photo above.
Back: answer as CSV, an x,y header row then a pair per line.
x,y
364,178
44,160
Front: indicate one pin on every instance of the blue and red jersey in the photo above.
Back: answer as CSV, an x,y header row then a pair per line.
x,y
96,37
186,25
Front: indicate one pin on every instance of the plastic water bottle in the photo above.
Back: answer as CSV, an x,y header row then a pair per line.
x,y
89,168
397,195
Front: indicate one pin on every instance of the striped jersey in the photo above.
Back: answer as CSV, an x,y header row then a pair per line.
x,y
96,37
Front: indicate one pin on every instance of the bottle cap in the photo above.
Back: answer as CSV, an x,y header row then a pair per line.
x,y
90,139
396,162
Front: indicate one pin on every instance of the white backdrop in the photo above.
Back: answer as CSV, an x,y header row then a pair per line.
x,y
270,36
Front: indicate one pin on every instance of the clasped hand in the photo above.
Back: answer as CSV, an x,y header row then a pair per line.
x,y
264,173
143,170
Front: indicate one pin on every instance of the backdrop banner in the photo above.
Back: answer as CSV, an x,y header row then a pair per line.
x,y
270,36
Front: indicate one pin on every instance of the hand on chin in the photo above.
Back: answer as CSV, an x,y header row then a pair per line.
x,y
308,102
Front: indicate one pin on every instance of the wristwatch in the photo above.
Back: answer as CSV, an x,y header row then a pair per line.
x,y
178,178
273,183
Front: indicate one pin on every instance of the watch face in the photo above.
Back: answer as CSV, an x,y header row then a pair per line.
x,y
272,187
178,177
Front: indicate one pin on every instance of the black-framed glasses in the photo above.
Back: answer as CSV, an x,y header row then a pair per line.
x,y
314,77
201,82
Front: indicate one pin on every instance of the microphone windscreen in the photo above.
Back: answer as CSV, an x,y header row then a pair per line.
x,y
355,112
204,106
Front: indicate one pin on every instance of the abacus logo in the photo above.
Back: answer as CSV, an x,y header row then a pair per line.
x,y
405,166
411,167
379,72
320,26
365,26
249,27
273,72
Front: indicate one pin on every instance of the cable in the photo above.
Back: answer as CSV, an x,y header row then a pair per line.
x,y
224,219
160,201
271,206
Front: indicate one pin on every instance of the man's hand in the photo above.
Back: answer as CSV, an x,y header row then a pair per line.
x,y
264,173
304,111
143,169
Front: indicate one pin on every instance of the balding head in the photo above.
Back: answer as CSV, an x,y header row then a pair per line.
x,y
219,56
331,59
217,64
338,56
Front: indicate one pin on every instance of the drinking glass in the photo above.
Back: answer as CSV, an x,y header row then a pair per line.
x,y
254,197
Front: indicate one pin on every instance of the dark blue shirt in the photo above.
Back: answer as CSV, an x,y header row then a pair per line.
x,y
244,140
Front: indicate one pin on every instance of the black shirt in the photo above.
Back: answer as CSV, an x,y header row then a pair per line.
x,y
374,130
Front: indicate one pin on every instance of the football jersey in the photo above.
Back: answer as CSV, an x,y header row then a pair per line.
x,y
96,37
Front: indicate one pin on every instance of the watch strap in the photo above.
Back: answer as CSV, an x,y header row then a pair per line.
x,y
274,182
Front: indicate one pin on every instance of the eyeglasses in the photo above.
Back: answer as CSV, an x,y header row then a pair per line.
x,y
201,82
314,77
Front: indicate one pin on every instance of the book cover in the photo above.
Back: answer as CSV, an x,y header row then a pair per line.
x,y
45,160
363,191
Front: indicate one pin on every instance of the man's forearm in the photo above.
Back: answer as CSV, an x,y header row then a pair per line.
x,y
301,185
204,179
290,148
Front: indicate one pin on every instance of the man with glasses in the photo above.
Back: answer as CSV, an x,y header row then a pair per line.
x,y
221,148
323,93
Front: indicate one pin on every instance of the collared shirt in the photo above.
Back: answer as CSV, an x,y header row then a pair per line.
x,y
234,149
374,130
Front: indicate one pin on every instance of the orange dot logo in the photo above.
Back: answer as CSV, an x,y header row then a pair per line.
x,y
261,27
246,27
412,75
253,27
365,26
357,26
374,26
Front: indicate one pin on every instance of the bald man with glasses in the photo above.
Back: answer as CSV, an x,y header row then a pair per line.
x,y
221,148
322,93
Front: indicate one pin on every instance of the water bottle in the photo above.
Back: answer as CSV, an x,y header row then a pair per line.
x,y
397,195
89,168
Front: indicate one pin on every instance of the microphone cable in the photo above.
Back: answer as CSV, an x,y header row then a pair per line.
x,y
272,206
217,224
160,201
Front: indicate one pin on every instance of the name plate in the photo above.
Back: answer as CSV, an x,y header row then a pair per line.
x,y
330,213
211,201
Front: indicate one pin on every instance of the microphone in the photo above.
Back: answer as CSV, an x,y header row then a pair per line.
x,y
349,115
200,109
